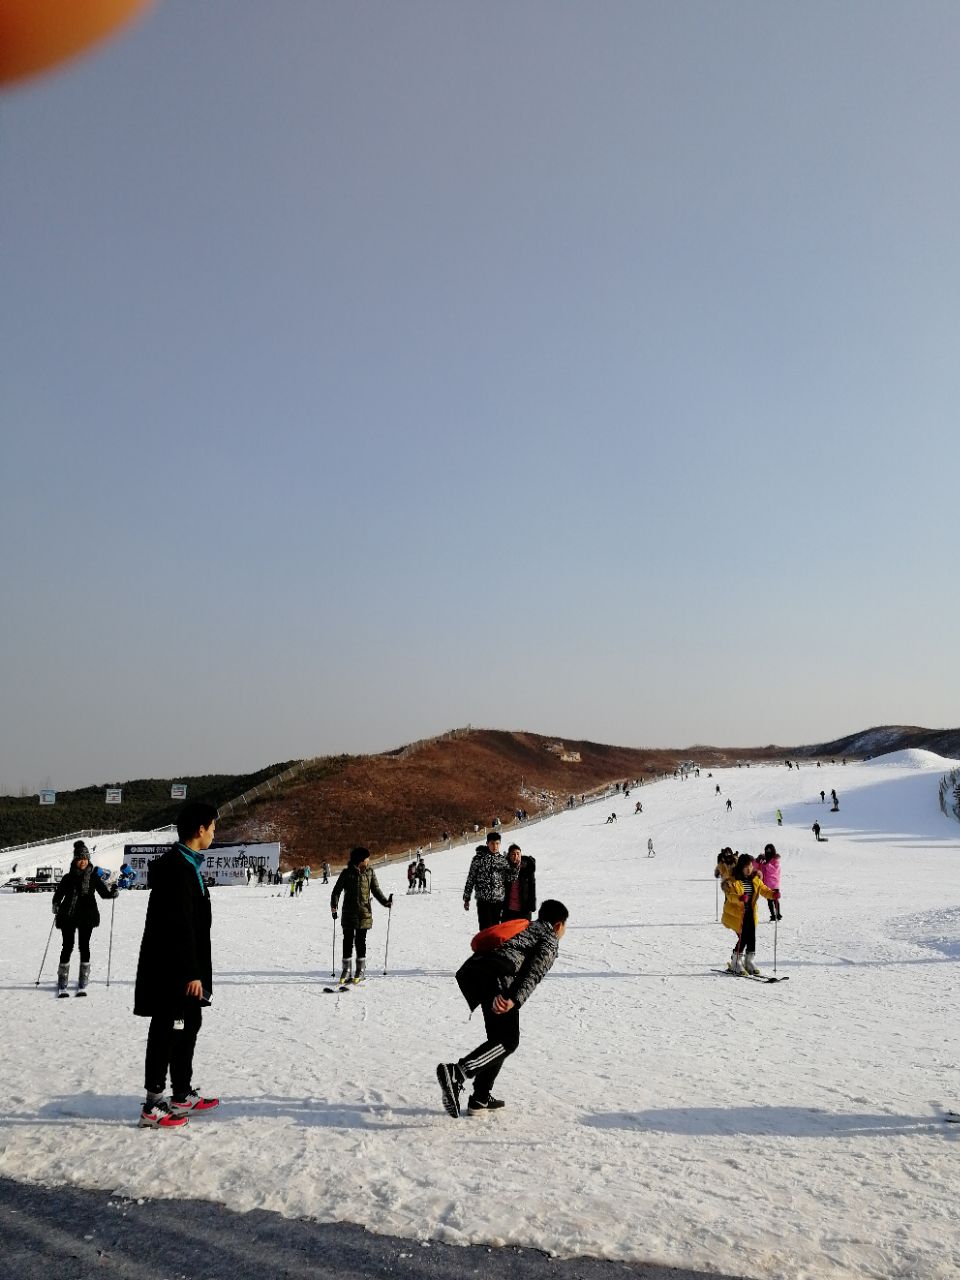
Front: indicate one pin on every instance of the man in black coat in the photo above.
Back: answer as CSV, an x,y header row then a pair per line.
x,y
175,971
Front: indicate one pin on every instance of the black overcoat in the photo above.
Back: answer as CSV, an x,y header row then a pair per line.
x,y
75,899
176,937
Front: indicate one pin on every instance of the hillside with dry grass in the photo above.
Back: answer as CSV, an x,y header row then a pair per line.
x,y
412,796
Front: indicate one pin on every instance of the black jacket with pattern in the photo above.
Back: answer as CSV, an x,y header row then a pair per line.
x,y
489,875
514,969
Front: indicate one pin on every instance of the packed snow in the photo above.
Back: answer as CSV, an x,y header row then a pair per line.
x,y
657,1111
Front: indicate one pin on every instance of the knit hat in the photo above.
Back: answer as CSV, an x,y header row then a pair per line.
x,y
358,855
80,850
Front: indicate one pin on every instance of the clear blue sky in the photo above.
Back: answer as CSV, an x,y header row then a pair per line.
x,y
368,369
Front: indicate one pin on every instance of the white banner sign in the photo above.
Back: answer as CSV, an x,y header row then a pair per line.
x,y
178,791
114,795
48,797
222,864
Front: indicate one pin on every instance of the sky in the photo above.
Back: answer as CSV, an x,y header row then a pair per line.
x,y
372,369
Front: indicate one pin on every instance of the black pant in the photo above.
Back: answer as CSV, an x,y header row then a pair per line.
x,y
168,1047
488,913
503,1036
354,935
83,933
748,931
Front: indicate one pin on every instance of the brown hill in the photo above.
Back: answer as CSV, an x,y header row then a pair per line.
x,y
412,796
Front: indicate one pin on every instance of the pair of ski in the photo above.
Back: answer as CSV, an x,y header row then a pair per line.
x,y
342,989
754,977
65,995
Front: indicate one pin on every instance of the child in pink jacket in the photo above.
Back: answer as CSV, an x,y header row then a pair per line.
x,y
768,864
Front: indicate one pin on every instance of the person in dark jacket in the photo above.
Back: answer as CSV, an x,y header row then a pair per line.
x,y
76,913
490,873
500,981
357,882
175,970
520,899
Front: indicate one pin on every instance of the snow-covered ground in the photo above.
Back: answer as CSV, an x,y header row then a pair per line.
x,y
657,1111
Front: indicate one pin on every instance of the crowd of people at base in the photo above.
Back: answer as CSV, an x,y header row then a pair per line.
x,y
745,880
174,973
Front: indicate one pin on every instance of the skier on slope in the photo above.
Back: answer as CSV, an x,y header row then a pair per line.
x,y
357,882
768,865
500,981
76,914
741,892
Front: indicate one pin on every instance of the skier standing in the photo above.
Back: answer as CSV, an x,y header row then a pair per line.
x,y
76,914
741,891
768,864
500,982
357,882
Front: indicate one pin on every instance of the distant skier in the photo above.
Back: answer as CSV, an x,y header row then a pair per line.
x,y
726,862
741,892
76,914
421,874
816,830
823,797
639,808
729,805
779,818
411,874
651,852
500,982
326,873
718,788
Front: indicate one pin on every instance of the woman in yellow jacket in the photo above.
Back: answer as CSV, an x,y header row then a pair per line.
x,y
742,891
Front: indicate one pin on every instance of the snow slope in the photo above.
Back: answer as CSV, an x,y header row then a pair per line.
x,y
657,1111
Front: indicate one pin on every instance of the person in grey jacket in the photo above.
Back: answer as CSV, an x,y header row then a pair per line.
x,y
357,882
500,982
490,873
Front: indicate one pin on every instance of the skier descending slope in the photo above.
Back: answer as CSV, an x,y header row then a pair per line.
x,y
500,981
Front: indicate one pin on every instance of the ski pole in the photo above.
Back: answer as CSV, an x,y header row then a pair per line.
x,y
717,897
776,921
386,949
113,903
45,950
333,950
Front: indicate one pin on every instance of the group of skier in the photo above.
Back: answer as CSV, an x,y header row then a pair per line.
x,y
744,881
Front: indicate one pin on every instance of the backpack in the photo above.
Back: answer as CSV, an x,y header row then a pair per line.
x,y
497,935
481,975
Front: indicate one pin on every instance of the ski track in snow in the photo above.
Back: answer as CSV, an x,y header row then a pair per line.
x,y
657,1112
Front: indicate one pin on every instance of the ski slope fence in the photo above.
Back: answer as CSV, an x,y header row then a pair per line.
x,y
950,794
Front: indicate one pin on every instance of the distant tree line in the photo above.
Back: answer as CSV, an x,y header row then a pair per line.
x,y
146,805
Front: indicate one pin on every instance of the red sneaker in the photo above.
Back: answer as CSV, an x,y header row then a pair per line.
x,y
192,1102
158,1115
